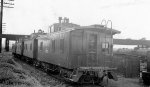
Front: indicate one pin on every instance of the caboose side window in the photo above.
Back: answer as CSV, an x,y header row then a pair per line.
x,y
41,46
53,45
26,47
20,47
30,46
62,45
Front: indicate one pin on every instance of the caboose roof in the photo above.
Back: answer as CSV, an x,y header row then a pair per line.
x,y
45,37
99,28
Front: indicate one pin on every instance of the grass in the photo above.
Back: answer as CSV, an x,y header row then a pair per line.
x,y
12,74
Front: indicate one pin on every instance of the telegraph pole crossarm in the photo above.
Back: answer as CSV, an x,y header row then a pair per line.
x,y
1,17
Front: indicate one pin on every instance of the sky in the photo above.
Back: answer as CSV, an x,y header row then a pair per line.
x,y
131,17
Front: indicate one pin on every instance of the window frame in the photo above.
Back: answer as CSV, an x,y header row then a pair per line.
x,y
105,47
31,46
62,45
41,46
53,45
26,47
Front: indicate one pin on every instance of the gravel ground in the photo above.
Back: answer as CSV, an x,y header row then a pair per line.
x,y
47,81
125,82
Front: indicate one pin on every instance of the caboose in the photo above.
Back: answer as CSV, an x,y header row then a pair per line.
x,y
81,52
78,53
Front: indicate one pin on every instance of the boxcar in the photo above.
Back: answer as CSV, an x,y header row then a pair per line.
x,y
54,49
18,48
28,48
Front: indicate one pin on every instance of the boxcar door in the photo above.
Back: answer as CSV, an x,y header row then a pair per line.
x,y
35,48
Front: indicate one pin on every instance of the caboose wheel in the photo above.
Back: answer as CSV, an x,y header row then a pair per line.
x,y
86,79
36,63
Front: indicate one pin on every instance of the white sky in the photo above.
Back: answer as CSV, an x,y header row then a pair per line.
x,y
131,17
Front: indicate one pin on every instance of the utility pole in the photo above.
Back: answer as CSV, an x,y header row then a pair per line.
x,y
1,23
1,18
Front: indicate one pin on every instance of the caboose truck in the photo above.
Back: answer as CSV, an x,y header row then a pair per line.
x,y
80,54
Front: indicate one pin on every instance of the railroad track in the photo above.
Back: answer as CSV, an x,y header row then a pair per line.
x,y
58,80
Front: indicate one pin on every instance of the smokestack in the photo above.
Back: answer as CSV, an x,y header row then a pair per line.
x,y
67,20
60,18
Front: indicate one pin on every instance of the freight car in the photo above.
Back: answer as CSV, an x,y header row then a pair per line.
x,y
145,66
80,54
17,48
144,54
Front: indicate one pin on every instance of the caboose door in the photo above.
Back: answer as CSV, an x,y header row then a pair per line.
x,y
91,48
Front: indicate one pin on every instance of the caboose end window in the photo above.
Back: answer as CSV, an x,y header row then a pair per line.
x,y
53,45
105,47
41,46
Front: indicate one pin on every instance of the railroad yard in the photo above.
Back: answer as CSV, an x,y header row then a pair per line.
x,y
72,57
70,43
16,73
